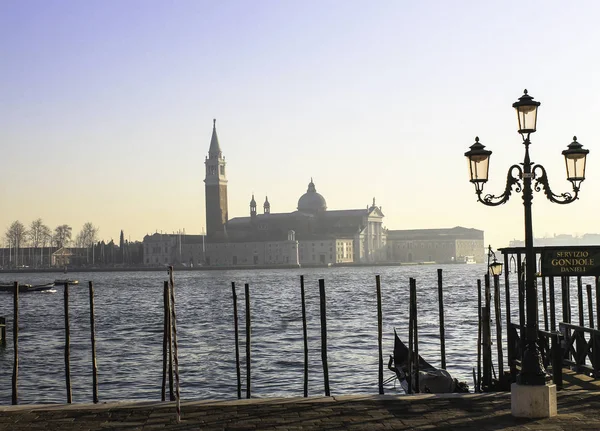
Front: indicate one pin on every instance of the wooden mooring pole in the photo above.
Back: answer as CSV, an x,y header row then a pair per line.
x,y
442,326
379,332
323,303
580,301
566,299
545,304
166,326
15,374
248,338
237,343
67,345
93,339
416,331
588,288
175,346
411,324
552,304
498,313
304,336
598,301
2,331
521,284
478,386
486,338
509,347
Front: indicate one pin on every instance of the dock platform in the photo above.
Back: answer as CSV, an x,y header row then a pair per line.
x,y
578,410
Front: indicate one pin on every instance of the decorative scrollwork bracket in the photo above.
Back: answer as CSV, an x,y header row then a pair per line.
x,y
541,182
512,180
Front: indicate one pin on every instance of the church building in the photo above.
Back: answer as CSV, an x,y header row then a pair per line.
x,y
309,235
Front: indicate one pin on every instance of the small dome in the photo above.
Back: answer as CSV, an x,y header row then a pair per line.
x,y
311,201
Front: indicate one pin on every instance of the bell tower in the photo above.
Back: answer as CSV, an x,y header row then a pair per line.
x,y
215,187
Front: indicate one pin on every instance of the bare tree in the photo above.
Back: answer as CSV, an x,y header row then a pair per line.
x,y
16,234
62,235
38,232
87,237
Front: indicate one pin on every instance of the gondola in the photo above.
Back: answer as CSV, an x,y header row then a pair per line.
x,y
431,379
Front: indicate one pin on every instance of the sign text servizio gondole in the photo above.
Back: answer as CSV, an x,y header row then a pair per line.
x,y
584,261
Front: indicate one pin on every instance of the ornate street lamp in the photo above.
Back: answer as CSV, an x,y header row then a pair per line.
x,y
520,177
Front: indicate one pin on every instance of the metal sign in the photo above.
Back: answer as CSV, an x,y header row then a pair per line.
x,y
583,261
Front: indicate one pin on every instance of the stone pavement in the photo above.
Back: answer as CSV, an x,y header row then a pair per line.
x,y
578,410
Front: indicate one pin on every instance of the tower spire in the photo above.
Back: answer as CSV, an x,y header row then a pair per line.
x,y
214,150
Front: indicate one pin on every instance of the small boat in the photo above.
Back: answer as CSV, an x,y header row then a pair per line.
x,y
62,281
41,287
431,379
25,287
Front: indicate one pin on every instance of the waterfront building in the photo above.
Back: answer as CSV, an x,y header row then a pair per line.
x,y
453,245
560,240
311,234
174,249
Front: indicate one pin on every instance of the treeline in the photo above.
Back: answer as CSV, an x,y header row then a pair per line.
x,y
33,245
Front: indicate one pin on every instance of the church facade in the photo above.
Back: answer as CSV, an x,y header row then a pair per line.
x,y
309,235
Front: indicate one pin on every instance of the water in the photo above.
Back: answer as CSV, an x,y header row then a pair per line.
x,y
129,322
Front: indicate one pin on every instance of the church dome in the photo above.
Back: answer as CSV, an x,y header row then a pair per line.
x,y
311,201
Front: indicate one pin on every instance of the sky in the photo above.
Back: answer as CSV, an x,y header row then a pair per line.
x,y
107,106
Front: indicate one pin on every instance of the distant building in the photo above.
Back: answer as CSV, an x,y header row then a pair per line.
x,y
174,249
452,245
309,235
561,239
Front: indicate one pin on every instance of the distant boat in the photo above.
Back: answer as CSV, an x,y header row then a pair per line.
x,y
9,287
65,281
470,259
41,287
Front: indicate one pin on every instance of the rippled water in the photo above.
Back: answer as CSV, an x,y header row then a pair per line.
x,y
129,314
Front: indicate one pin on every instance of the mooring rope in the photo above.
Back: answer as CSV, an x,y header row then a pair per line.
x,y
174,332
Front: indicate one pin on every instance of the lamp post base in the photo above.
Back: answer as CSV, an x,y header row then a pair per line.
x,y
533,401
532,371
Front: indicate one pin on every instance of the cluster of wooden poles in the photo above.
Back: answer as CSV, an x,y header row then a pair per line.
x,y
413,335
323,313
486,374
484,337
67,349
170,347
170,353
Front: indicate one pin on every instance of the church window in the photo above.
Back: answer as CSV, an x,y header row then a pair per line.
x,y
222,170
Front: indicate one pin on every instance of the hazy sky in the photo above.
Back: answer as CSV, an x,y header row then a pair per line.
x,y
106,108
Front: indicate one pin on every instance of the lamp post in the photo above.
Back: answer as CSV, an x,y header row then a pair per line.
x,y
494,268
520,177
